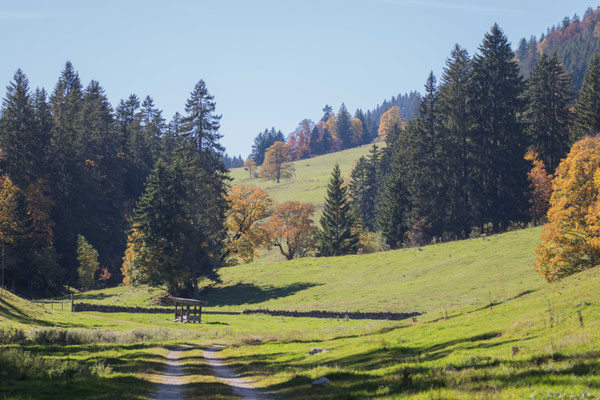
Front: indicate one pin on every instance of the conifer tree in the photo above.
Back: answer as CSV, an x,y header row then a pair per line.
x,y
549,95
343,126
455,127
336,236
394,201
499,170
587,114
364,189
22,142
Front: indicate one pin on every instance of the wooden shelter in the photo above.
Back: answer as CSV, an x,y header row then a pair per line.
x,y
187,310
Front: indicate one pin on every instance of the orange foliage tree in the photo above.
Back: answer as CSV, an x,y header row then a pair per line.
x,y
291,229
388,121
250,166
357,129
540,184
247,206
571,238
277,164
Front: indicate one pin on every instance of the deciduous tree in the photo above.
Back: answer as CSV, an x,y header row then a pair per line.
x,y
247,206
291,229
388,121
570,241
540,184
277,164
250,166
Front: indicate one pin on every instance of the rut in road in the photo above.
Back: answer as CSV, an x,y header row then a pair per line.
x,y
242,389
173,379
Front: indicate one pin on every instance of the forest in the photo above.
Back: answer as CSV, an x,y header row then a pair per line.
x,y
93,196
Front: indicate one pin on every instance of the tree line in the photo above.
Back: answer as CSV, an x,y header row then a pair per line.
x,y
82,182
480,157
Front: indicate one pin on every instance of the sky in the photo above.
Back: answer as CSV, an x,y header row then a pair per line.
x,y
268,63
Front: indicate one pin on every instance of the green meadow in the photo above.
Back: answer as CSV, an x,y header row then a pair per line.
x,y
491,328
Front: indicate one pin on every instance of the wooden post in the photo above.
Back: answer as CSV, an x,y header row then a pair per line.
x,y
200,315
175,311
72,303
195,314
188,314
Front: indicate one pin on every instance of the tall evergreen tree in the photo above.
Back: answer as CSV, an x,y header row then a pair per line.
x,y
343,130
394,203
364,189
423,147
336,236
500,171
549,96
455,127
23,144
67,165
587,114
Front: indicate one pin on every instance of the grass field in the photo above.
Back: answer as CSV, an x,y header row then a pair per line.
x,y
491,329
310,182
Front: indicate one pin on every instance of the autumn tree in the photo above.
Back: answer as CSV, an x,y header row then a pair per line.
x,y
356,128
247,206
389,119
540,184
250,166
87,257
277,164
570,241
291,229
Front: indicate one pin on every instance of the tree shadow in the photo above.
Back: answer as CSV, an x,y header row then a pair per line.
x,y
247,293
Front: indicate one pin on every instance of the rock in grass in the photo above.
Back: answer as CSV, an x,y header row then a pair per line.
x,y
321,382
317,350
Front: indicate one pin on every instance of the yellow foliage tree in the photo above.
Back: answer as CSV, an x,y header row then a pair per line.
x,y
250,166
247,206
277,164
388,121
571,238
356,127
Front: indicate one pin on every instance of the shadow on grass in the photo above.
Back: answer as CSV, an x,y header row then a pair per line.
x,y
246,293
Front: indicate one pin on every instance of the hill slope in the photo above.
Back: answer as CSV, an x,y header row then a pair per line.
x,y
438,277
312,175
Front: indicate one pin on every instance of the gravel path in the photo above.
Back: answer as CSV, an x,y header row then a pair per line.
x,y
173,379
242,389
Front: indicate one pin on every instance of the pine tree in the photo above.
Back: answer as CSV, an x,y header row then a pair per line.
x,y
499,170
549,95
67,165
364,190
343,126
394,201
587,114
423,147
23,144
336,236
455,127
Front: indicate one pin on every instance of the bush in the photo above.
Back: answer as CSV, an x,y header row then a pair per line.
x,y
371,242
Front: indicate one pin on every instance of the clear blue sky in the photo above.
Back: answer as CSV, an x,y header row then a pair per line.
x,y
269,63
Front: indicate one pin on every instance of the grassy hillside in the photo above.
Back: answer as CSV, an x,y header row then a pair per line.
x,y
312,175
493,329
437,277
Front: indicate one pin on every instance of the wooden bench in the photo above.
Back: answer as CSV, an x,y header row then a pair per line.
x,y
187,310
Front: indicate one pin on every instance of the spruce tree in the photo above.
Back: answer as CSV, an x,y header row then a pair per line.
x,y
22,144
499,171
336,236
549,95
455,127
67,165
394,201
587,114
363,189
343,121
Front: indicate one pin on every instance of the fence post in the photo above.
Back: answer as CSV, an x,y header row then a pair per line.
x,y
72,308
